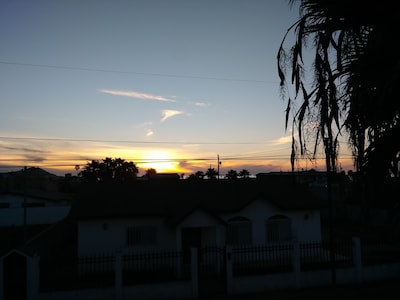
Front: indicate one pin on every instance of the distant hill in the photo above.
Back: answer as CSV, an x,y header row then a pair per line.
x,y
32,178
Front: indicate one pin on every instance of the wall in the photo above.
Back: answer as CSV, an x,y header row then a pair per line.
x,y
109,236
49,213
307,229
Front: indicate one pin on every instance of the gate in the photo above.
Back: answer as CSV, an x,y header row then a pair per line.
x,y
212,271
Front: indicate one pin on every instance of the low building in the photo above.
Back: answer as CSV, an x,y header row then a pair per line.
x,y
181,214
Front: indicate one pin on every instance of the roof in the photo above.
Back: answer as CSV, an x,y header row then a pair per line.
x,y
52,196
174,200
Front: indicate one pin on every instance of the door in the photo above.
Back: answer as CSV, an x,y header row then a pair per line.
x,y
14,266
191,238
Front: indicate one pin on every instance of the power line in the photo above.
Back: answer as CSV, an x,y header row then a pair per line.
x,y
137,141
132,72
128,142
152,160
74,161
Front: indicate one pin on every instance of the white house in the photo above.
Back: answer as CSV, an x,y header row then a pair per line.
x,y
32,207
180,214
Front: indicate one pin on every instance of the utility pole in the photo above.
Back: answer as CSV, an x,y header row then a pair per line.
x,y
25,230
218,164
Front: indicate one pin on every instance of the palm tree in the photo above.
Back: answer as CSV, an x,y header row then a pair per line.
x,y
353,89
353,86
211,173
109,169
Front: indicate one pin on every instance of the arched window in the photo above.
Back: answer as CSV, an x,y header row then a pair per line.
x,y
239,231
279,229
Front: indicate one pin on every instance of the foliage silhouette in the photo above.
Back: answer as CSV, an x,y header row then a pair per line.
x,y
354,86
353,90
211,173
231,175
109,169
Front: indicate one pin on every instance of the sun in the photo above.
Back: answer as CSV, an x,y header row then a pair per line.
x,y
161,161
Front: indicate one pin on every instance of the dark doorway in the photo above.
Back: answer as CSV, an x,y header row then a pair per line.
x,y
191,238
210,263
14,277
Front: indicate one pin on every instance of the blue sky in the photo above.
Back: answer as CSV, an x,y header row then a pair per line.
x,y
166,84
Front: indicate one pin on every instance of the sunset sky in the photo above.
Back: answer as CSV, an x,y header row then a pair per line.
x,y
167,84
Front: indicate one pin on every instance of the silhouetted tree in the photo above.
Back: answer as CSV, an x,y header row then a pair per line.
x,y
150,172
197,175
211,173
109,169
69,183
232,174
354,85
244,173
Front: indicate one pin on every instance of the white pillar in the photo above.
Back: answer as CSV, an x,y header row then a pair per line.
x,y
1,278
179,248
229,269
32,277
194,272
296,261
118,276
357,258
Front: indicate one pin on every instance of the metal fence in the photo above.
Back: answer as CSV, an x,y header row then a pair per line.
x,y
321,255
170,265
254,259
154,266
373,252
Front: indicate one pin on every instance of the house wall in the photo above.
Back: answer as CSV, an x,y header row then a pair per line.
x,y
305,223
34,215
213,232
109,236
12,212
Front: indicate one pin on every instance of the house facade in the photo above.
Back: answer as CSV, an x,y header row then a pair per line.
x,y
33,207
181,214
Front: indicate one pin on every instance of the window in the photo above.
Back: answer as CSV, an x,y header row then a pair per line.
x,y
239,231
141,236
279,229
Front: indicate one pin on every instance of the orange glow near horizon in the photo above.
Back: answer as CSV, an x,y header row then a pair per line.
x,y
160,160
63,161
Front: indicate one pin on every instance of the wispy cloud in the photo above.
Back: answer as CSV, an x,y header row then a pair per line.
x,y
283,140
200,104
149,132
137,95
168,113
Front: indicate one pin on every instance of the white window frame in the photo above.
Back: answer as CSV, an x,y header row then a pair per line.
x,y
239,231
279,229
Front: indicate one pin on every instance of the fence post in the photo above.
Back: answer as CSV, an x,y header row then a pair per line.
x,y
296,263
357,258
194,270
229,269
118,275
32,277
2,296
